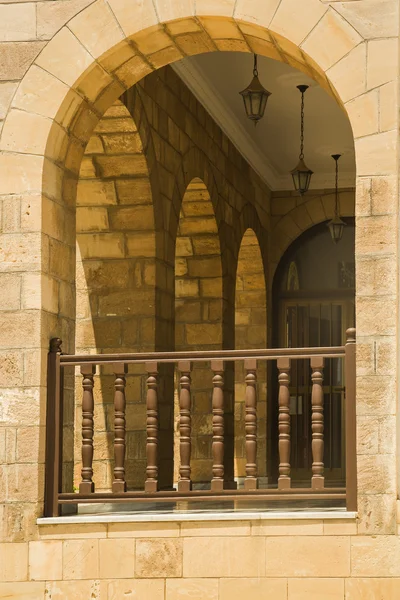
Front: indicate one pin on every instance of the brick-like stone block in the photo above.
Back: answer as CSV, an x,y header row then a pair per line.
x,y
223,557
304,556
45,560
13,562
80,559
117,558
158,558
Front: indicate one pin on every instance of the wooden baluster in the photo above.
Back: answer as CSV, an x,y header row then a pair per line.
x,y
351,429
87,486
217,483
317,423
251,481
185,427
119,483
284,481
151,484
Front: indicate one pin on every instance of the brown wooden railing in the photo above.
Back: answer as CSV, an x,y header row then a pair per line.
x,y
58,362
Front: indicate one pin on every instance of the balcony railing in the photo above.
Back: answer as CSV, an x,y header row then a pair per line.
x,y
284,490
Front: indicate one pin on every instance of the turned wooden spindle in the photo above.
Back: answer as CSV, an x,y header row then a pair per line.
x,y
284,480
185,427
317,423
151,484
217,483
86,486
251,481
119,483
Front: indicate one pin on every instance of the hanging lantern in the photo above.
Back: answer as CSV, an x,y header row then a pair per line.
x,y
302,174
255,97
336,226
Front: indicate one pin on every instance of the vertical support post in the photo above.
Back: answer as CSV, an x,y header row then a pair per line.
x,y
284,480
185,427
53,431
87,486
151,484
317,423
217,483
251,481
119,483
351,429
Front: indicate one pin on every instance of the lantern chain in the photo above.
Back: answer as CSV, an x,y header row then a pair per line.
x,y
302,128
336,188
255,70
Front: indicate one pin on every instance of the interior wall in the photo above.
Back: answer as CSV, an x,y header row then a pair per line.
x,y
116,273
150,149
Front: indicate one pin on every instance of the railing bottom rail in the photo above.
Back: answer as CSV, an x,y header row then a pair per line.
x,y
196,495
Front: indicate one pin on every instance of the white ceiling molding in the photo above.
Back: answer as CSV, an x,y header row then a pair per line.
x,y
215,105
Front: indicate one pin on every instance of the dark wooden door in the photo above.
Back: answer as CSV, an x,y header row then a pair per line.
x,y
315,323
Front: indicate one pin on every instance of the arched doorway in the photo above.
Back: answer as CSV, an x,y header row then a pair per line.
x,y
314,304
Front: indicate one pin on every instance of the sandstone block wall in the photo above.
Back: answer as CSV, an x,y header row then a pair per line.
x,y
281,559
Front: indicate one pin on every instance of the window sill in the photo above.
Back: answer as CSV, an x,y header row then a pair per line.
x,y
180,517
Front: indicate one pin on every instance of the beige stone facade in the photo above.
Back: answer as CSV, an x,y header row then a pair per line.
x,y
90,152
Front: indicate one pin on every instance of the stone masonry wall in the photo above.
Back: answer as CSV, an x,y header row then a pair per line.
x,y
56,82
296,559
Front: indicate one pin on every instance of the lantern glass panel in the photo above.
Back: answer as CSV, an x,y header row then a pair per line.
x,y
336,228
301,177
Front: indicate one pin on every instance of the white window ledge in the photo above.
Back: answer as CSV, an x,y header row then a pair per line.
x,y
162,517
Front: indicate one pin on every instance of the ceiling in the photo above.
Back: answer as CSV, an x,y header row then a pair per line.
x,y
272,148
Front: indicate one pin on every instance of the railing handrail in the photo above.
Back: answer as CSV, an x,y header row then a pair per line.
x,y
203,355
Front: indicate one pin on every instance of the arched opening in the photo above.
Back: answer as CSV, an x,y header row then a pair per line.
x,y
166,43
198,314
204,291
116,272
313,306
250,332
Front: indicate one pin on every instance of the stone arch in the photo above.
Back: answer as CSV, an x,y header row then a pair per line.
x,y
116,278
309,211
250,332
198,313
66,103
198,272
107,47
196,164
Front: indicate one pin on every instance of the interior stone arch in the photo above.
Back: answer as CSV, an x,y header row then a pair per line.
x,y
198,315
250,332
